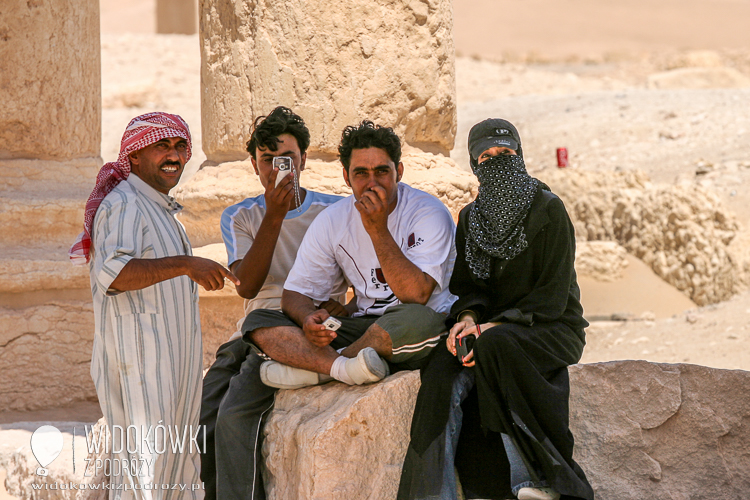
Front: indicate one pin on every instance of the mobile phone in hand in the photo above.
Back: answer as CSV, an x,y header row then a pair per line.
x,y
284,164
332,324
464,346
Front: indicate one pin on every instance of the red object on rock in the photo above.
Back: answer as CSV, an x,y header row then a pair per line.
x,y
562,157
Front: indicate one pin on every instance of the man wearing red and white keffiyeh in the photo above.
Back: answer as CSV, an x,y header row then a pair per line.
x,y
142,131
147,355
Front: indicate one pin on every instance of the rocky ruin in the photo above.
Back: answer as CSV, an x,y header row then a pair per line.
x,y
682,232
601,260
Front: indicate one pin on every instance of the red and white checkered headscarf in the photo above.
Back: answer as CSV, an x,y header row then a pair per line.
x,y
142,131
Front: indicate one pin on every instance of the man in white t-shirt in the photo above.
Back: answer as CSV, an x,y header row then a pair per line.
x,y
262,236
394,245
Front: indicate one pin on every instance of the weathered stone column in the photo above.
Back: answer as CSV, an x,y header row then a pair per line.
x,y
334,63
50,135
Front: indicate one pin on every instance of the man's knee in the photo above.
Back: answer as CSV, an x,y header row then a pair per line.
x,y
414,330
416,315
413,309
259,334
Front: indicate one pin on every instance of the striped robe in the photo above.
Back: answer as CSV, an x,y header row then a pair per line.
x,y
147,356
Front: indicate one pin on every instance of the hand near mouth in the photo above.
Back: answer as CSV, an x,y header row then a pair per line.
x,y
373,208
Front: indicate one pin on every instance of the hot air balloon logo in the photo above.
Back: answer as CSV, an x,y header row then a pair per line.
x,y
46,445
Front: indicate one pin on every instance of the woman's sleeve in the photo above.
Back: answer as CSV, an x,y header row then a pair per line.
x,y
471,295
548,300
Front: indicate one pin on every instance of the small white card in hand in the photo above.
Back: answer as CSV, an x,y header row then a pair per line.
x,y
332,324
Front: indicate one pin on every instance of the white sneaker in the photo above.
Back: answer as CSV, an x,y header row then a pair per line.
x,y
538,494
367,367
281,376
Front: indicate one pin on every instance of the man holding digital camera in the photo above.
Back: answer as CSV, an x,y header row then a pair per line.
x,y
261,235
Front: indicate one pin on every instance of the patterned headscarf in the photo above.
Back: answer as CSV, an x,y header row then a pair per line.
x,y
142,131
496,218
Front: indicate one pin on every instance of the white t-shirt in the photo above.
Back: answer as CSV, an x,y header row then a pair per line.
x,y
337,247
239,225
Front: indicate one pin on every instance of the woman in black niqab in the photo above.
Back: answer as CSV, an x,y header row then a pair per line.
x,y
499,417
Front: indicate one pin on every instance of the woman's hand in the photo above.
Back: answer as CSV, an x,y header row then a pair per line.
x,y
455,330
465,331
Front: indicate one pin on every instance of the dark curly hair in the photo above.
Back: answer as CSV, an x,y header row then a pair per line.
x,y
267,129
368,135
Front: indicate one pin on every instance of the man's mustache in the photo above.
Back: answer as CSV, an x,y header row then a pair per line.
x,y
170,162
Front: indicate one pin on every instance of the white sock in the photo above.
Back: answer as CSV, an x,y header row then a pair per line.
x,y
338,371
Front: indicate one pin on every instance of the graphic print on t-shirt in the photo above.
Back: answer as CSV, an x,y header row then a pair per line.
x,y
377,279
413,241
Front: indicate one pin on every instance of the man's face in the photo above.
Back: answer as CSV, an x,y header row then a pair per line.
x,y
495,151
160,165
372,167
287,146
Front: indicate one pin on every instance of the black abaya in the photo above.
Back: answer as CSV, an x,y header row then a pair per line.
x,y
521,379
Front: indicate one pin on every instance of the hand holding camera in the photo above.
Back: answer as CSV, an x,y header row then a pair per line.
x,y
285,166
280,194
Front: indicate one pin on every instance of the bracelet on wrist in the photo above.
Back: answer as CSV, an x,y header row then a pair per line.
x,y
468,312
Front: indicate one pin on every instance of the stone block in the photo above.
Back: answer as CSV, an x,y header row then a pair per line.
x,y
390,61
50,85
31,177
643,430
660,431
45,352
28,270
339,442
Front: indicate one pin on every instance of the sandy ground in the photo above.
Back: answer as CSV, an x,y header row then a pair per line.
x,y
573,73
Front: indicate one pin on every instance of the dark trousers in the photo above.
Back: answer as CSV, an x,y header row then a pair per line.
x,y
229,360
